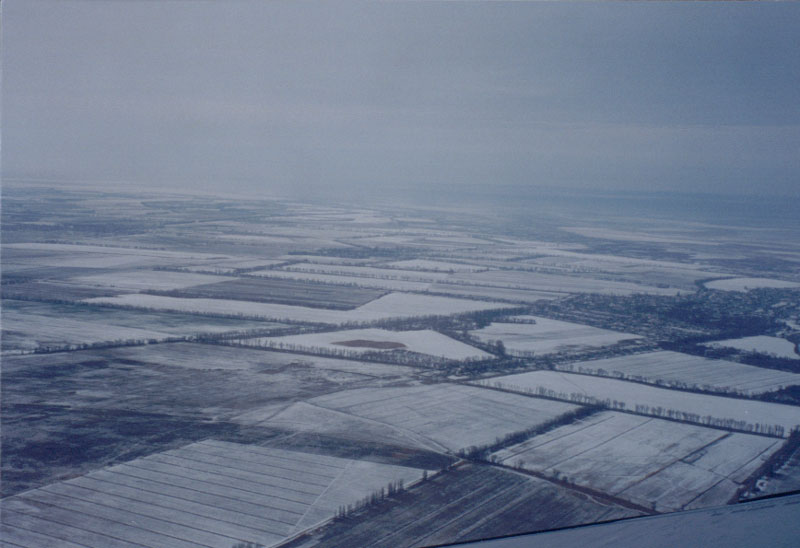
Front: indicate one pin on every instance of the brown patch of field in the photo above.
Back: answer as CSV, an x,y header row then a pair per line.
x,y
363,343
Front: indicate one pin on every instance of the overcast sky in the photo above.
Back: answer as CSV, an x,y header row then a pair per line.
x,y
277,95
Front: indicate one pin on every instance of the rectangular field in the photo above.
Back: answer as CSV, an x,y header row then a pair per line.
x,y
208,494
546,336
655,463
361,341
140,280
391,306
30,325
761,344
432,265
292,292
470,502
369,272
450,416
564,385
557,283
336,279
674,368
743,284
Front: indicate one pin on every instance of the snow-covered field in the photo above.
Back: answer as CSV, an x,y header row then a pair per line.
x,y
635,394
691,371
485,292
760,343
368,272
435,266
129,252
393,305
550,282
209,357
28,325
652,462
359,281
28,331
440,416
547,336
139,280
743,284
360,341
211,493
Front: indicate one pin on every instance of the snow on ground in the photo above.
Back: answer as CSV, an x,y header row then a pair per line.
x,y
393,305
446,415
424,341
368,272
485,292
138,280
547,336
23,330
762,344
209,493
633,394
359,281
108,250
693,371
550,282
744,284
435,266
609,234
655,463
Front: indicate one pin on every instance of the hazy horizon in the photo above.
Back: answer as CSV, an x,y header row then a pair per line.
x,y
311,98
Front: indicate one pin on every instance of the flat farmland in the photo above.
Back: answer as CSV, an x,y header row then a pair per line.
x,y
214,381
632,394
470,502
762,344
693,371
487,292
25,329
547,336
558,283
391,306
651,462
424,341
335,279
369,272
292,292
101,256
30,325
449,415
744,284
208,494
432,265
144,279
215,357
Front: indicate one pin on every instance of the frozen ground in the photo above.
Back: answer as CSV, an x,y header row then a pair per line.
x,y
378,283
548,336
211,493
762,344
558,283
633,394
393,305
743,284
691,371
424,341
139,280
451,416
435,266
29,325
651,462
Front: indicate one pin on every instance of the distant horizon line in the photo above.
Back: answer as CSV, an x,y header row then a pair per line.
x,y
280,190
